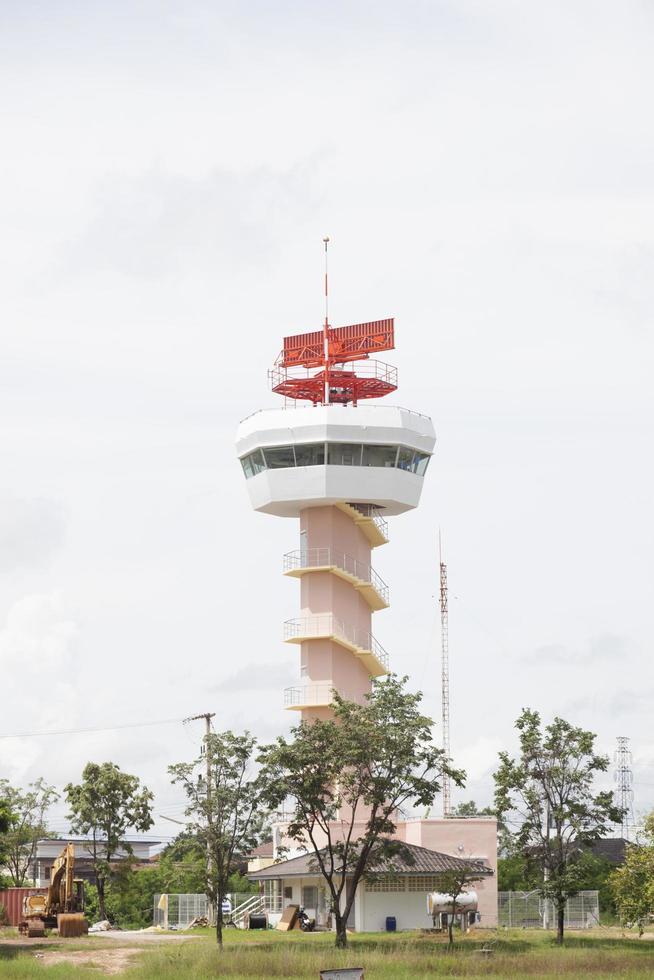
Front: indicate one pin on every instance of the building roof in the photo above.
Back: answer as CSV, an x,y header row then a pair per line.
x,y
264,850
411,860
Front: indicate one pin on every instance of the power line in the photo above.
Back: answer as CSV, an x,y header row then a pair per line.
x,y
87,731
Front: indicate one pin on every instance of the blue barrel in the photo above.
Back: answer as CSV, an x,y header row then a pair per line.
x,y
391,923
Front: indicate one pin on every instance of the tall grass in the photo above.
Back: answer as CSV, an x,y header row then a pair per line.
x,y
409,956
412,957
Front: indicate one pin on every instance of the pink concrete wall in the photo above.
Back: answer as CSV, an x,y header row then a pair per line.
x,y
467,838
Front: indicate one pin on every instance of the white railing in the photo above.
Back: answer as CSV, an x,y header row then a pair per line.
x,y
251,906
310,694
322,557
411,411
326,625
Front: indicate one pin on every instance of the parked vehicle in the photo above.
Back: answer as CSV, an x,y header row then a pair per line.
x,y
306,924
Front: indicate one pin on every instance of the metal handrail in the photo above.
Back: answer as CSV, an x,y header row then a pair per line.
x,y
313,694
321,557
325,624
277,408
371,511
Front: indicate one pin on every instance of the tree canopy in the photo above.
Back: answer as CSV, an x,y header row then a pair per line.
x,y
632,884
547,795
224,807
104,806
347,778
27,826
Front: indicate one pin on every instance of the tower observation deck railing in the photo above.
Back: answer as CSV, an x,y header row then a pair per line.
x,y
325,558
311,695
326,626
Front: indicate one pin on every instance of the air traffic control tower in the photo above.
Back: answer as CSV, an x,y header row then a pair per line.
x,y
343,465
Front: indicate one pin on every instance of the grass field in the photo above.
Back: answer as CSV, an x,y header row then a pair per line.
x,y
414,956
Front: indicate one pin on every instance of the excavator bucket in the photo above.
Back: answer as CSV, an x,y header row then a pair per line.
x,y
72,924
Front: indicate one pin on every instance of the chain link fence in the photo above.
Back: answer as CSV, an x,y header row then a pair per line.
x,y
529,910
178,911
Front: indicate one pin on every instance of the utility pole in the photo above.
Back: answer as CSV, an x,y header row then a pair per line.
x,y
207,758
623,775
445,676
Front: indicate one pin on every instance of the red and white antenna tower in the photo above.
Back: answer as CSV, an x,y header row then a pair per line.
x,y
333,350
445,678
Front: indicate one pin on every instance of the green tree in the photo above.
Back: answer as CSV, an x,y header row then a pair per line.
x,y
470,809
224,807
632,884
6,822
29,808
454,883
548,791
105,805
347,778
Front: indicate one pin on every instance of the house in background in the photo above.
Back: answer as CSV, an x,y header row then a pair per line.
x,y
49,849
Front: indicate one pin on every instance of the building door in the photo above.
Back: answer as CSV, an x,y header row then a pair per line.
x,y
350,918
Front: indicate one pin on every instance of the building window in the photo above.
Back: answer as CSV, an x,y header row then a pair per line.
x,y
343,454
337,454
310,897
379,456
424,883
386,883
272,894
280,458
312,454
253,463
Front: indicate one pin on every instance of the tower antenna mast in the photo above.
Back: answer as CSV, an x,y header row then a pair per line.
x,y
624,794
445,676
326,328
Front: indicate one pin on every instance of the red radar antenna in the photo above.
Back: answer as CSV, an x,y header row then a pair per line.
x,y
334,350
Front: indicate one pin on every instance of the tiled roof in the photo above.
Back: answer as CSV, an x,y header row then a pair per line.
x,y
412,860
264,850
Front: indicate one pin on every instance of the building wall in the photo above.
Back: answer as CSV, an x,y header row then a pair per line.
x,y
474,837
409,909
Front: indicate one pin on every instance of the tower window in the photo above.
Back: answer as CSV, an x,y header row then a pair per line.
x,y
311,454
344,454
379,455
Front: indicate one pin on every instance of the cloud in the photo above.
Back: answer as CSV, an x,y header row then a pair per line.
x,y
603,647
162,222
257,677
31,531
37,660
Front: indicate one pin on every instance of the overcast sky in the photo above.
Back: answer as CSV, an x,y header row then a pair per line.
x,y
486,174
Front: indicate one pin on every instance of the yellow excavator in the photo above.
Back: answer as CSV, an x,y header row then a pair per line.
x,y
62,907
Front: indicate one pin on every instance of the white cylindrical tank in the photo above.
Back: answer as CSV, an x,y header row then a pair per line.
x,y
438,902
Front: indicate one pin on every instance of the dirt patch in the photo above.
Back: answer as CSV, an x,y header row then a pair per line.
x,y
109,961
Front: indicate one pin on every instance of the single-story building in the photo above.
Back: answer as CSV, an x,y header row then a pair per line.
x,y
399,890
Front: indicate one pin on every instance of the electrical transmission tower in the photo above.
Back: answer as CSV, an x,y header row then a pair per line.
x,y
445,678
624,794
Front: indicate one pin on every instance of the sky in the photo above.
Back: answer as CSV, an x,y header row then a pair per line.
x,y
486,175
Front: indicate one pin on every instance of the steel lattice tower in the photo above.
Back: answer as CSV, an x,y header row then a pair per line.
x,y
624,794
445,677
